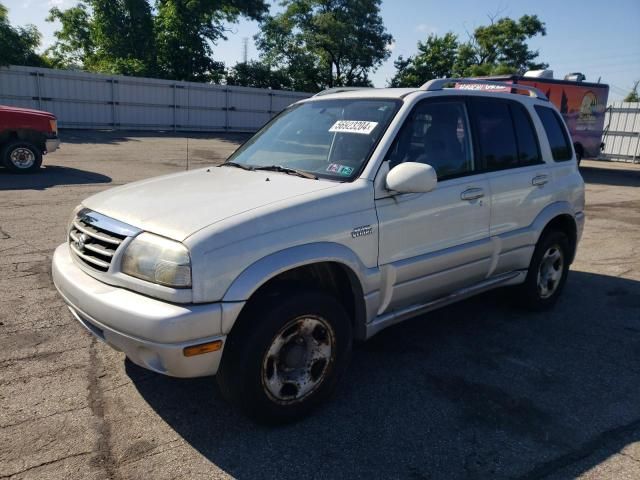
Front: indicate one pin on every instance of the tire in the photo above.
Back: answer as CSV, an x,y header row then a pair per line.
x,y
285,355
20,156
551,260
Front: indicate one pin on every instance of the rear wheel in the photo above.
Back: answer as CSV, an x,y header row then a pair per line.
x,y
21,156
547,272
285,355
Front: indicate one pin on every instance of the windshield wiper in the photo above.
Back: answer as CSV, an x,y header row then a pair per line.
x,y
237,165
287,170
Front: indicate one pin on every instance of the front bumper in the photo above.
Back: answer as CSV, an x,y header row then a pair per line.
x,y
152,333
52,144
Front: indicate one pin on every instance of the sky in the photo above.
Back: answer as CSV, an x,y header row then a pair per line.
x,y
598,38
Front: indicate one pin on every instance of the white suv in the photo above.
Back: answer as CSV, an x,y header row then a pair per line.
x,y
349,212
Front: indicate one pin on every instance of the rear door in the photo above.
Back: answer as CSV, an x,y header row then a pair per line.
x,y
519,180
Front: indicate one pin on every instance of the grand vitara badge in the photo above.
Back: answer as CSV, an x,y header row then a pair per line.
x,y
361,231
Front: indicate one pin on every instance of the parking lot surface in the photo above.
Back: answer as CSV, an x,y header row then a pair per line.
x,y
480,389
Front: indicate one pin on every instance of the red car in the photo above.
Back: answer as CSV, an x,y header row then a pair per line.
x,y
25,136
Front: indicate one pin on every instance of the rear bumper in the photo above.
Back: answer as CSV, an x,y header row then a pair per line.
x,y
52,144
152,333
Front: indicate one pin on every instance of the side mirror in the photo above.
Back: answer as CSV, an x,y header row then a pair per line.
x,y
412,177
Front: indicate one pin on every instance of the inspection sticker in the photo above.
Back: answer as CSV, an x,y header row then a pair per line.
x,y
340,169
353,126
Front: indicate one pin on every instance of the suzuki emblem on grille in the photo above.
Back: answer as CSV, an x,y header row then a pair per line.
x,y
79,243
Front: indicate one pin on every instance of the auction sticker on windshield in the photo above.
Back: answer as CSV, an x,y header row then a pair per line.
x,y
353,126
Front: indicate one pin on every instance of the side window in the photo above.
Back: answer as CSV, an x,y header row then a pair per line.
x,y
436,133
495,133
556,133
528,149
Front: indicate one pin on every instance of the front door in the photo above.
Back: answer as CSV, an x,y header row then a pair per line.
x,y
434,243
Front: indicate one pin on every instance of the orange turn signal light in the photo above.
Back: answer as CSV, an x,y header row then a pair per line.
x,y
208,347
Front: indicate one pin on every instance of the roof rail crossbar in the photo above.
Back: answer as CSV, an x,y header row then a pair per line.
x,y
440,83
329,91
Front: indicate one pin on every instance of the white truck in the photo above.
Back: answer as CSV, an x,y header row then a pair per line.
x,y
349,212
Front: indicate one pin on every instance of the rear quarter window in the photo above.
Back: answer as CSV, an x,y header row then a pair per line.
x,y
556,133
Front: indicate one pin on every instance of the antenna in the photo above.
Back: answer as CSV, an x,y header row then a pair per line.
x,y
187,151
245,49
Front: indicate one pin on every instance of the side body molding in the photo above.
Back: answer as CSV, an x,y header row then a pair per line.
x,y
366,282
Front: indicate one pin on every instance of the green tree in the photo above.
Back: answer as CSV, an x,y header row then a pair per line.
x,y
501,47
498,48
110,36
325,43
74,46
435,58
19,44
172,40
633,94
258,75
122,32
185,30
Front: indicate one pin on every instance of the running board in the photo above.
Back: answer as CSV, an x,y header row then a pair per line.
x,y
397,316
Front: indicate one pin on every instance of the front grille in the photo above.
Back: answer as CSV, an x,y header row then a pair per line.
x,y
93,245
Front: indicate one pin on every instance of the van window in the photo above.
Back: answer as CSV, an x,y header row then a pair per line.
x,y
556,133
436,133
496,138
528,149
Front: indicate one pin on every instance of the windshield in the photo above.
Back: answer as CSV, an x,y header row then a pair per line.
x,y
328,138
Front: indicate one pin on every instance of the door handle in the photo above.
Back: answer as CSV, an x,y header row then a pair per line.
x,y
540,180
472,194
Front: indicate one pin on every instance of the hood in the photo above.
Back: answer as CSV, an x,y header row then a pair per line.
x,y
28,111
180,204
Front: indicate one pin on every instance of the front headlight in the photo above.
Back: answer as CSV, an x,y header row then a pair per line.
x,y
158,260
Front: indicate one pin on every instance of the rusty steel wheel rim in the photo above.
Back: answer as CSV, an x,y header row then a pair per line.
x,y
298,360
550,271
22,157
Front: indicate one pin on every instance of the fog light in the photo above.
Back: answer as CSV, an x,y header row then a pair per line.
x,y
202,348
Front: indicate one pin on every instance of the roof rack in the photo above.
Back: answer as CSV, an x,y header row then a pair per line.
x,y
329,91
439,84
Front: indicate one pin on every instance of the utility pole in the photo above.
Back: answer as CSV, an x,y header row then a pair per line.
x,y
245,49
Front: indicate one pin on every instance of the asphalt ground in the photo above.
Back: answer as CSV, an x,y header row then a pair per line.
x,y
479,389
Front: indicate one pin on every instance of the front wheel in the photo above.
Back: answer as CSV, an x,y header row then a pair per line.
x,y
21,156
547,272
285,355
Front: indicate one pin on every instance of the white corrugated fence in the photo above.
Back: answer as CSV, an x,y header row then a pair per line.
x,y
95,101
622,132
